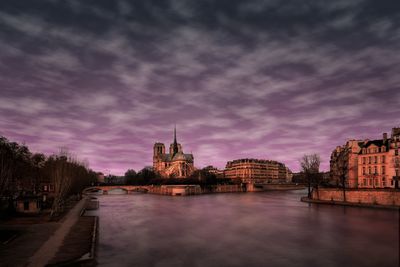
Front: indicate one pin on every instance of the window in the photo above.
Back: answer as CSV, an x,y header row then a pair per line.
x,y
391,182
376,159
369,170
376,182
375,170
365,182
363,160
383,170
369,160
383,159
26,205
370,181
45,188
363,170
396,152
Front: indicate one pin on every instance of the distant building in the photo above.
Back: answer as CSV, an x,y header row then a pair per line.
x,y
257,171
100,178
176,164
368,163
344,161
28,204
114,180
289,175
211,169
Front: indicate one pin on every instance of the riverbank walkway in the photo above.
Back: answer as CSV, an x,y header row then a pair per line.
x,y
49,249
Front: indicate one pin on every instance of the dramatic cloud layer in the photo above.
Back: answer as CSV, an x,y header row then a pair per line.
x,y
262,79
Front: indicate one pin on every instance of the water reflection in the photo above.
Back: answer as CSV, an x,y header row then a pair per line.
x,y
116,191
259,229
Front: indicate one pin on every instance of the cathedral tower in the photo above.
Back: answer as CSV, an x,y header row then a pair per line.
x,y
158,156
174,164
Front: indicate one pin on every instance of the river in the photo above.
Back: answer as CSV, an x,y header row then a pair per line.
x,y
249,229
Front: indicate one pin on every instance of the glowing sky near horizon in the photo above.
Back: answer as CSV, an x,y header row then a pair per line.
x,y
261,79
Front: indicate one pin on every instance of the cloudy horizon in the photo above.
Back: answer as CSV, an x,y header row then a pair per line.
x,y
240,79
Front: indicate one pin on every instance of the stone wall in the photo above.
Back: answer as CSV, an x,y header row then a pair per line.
x,y
232,188
388,197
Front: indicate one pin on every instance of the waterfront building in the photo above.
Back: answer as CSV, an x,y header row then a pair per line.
x,y
344,164
368,163
211,169
174,164
28,204
257,171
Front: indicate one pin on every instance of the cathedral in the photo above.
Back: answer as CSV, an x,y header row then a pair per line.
x,y
176,164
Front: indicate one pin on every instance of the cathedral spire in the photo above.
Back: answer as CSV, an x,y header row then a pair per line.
x,y
175,145
175,134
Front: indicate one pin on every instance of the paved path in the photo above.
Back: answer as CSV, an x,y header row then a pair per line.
x,y
30,238
49,249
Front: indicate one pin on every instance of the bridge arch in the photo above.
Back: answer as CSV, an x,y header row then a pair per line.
x,y
107,188
115,189
92,189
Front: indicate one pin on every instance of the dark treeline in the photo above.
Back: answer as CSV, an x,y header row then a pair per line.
x,y
23,173
147,176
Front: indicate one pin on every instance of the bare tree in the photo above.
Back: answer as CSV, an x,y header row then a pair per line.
x,y
21,173
15,169
310,167
69,177
343,169
6,165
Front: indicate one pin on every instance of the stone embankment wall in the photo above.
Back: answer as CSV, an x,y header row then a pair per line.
x,y
175,190
228,188
388,197
196,190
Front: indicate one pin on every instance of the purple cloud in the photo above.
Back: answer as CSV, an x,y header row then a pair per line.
x,y
264,79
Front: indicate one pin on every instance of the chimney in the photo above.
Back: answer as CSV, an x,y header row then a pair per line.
x,y
384,137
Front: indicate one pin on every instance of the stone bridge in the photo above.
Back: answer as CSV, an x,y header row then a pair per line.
x,y
127,188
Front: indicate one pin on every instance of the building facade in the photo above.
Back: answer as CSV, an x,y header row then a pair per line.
x,y
257,171
211,169
368,163
174,164
344,164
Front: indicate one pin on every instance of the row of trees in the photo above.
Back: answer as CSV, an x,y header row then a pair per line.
x,y
23,172
148,176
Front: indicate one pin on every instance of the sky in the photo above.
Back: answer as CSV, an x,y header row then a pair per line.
x,y
240,79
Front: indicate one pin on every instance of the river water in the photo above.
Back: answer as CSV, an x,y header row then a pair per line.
x,y
249,229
